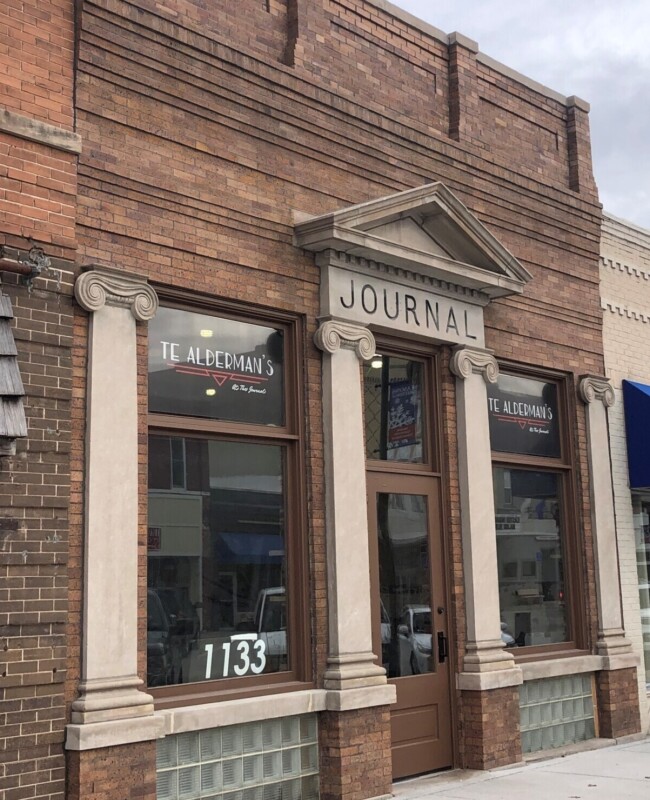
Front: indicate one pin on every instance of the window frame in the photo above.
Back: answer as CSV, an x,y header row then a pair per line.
x,y
290,438
565,467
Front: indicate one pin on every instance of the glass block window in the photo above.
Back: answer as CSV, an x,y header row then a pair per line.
x,y
556,712
269,760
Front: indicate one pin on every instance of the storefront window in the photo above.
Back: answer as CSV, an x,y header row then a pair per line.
x,y
219,595
530,558
641,509
530,499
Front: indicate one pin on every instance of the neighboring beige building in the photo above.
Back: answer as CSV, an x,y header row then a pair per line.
x,y
625,292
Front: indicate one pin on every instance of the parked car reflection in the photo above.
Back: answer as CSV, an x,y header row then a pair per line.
x,y
414,634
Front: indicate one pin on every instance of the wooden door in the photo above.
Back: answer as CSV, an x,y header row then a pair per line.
x,y
410,616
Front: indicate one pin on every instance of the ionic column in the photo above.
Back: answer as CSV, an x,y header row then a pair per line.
x,y
598,395
351,662
474,368
110,689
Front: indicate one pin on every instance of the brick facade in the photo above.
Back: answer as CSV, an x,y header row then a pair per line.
x,y
206,135
618,703
624,272
488,722
355,758
37,210
127,772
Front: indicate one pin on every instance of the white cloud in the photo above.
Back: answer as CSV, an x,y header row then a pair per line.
x,y
596,49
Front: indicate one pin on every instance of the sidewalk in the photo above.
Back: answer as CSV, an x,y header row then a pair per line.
x,y
618,772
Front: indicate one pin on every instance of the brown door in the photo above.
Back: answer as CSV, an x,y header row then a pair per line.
x,y
410,616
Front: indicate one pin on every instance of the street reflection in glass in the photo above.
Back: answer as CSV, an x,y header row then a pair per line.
x,y
405,587
216,596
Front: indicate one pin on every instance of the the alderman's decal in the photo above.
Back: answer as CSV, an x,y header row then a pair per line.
x,y
524,416
214,367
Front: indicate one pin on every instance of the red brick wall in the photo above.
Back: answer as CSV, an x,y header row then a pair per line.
x,y
618,703
126,772
201,141
355,758
490,728
37,200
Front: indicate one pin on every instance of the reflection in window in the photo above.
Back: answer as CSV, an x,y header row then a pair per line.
x,y
405,586
216,560
393,409
530,557
641,510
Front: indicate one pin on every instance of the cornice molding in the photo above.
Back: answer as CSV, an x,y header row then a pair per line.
x,y
466,361
100,286
595,387
333,334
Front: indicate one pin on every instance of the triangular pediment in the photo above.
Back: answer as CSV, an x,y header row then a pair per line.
x,y
427,230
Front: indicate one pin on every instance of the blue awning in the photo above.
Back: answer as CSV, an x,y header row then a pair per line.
x,y
636,400
250,548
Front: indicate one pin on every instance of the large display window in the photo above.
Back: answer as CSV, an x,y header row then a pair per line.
x,y
225,554
534,508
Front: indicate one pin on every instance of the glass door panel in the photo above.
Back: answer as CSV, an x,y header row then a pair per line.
x,y
404,584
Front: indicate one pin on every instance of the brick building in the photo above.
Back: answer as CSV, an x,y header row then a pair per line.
x,y
625,272
315,492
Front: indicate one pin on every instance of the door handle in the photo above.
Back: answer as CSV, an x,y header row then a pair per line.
x,y
443,651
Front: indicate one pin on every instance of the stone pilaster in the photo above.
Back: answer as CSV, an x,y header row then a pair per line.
x,y
111,708
351,663
487,665
598,395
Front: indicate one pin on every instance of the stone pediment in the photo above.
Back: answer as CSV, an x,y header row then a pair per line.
x,y
427,230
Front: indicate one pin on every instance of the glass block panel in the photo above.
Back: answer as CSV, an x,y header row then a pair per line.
x,y
211,777
188,748
166,786
253,794
272,765
310,788
232,773
272,734
210,744
270,760
273,791
290,730
231,740
166,752
252,738
308,730
556,712
189,783
252,769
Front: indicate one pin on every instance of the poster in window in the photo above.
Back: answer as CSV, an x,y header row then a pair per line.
x,y
524,416
206,366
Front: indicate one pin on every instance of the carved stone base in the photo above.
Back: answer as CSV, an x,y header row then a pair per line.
x,y
487,656
103,700
353,671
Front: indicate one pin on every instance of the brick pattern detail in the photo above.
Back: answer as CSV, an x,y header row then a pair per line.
x,y
618,703
200,141
37,207
625,288
127,772
490,728
37,47
355,756
34,486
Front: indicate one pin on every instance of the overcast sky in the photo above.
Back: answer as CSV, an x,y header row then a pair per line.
x,y
598,50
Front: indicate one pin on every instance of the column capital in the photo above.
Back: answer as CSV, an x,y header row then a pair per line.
x,y
100,286
468,360
596,387
333,334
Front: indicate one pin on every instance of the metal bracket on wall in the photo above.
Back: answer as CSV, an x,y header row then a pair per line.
x,y
28,266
